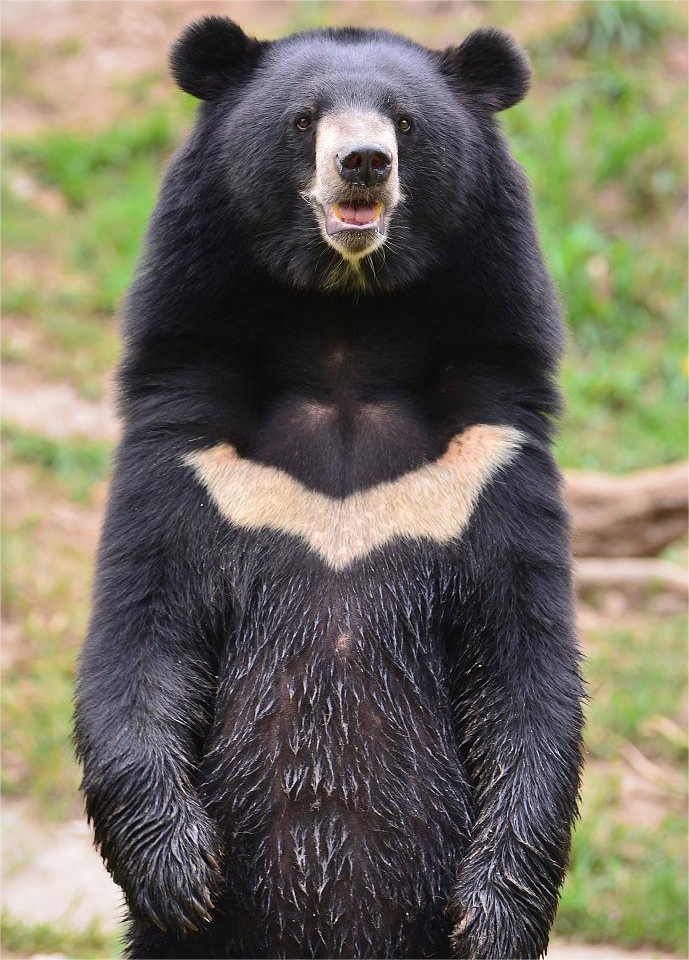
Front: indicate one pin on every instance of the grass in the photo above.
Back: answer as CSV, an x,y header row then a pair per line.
x,y
85,248
24,940
625,27
76,465
48,538
605,190
626,883
628,879
634,682
603,139
16,73
74,163
45,592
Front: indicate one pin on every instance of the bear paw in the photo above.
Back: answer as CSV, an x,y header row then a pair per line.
x,y
179,875
497,924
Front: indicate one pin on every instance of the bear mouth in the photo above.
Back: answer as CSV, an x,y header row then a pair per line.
x,y
341,217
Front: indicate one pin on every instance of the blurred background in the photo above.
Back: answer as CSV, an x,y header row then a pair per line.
x,y
89,118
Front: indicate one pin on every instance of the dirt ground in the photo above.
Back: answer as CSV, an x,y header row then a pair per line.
x,y
52,873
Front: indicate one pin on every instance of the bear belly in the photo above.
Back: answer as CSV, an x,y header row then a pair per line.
x,y
336,780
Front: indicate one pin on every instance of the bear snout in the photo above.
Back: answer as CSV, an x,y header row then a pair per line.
x,y
355,187
365,165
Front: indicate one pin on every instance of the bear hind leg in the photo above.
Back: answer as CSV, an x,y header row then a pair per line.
x,y
142,942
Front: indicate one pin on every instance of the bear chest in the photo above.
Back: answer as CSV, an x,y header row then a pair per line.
x,y
434,501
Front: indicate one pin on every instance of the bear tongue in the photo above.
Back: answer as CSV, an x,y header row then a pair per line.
x,y
350,214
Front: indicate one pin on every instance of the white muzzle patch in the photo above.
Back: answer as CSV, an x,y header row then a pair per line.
x,y
353,218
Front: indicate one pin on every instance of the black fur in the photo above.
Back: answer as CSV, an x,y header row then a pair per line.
x,y
211,55
255,794
489,69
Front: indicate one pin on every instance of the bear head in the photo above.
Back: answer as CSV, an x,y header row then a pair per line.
x,y
347,158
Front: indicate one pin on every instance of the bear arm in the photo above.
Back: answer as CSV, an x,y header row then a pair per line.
x,y
145,682
518,693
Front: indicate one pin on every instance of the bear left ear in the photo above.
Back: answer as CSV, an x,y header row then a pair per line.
x,y
489,67
210,54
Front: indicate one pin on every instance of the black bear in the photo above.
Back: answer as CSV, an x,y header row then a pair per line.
x,y
329,704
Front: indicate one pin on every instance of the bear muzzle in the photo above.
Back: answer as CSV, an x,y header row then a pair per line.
x,y
355,187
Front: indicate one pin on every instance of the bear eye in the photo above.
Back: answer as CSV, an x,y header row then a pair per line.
x,y
303,122
404,123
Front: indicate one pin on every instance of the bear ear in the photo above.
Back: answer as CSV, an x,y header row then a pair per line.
x,y
210,54
489,67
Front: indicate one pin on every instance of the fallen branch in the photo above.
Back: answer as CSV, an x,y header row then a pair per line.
x,y
629,574
649,771
628,516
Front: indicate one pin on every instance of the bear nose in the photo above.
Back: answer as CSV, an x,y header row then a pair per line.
x,y
366,165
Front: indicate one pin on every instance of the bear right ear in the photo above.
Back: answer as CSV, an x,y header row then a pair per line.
x,y
489,68
210,54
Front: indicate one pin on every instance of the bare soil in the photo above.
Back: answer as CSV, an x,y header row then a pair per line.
x,y
53,409
51,873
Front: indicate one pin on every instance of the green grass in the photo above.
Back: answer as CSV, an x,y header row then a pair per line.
x,y
45,592
636,678
76,465
46,573
626,884
24,940
37,716
47,560
606,159
76,163
309,14
16,64
627,881
616,28
83,255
